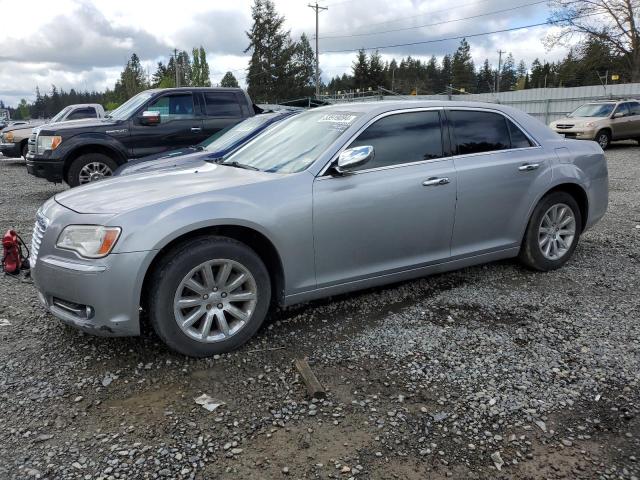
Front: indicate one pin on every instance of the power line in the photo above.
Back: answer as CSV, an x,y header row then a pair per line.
x,y
316,8
413,17
436,23
458,37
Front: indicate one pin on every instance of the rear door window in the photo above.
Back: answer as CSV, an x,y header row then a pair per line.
x,y
402,138
477,132
634,107
222,104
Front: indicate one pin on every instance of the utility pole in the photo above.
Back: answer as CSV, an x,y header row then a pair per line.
x,y
317,9
500,52
175,58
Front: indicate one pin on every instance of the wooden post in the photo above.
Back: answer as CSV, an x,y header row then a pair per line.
x,y
314,387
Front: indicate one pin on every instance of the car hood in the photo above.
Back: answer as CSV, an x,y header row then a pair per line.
x,y
87,123
121,194
178,160
576,120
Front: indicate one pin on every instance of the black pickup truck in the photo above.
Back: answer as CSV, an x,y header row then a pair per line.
x,y
152,122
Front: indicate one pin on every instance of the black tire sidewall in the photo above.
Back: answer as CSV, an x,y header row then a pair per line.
x,y
73,174
175,266
530,252
24,150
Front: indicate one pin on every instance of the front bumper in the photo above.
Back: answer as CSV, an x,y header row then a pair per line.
x,y
51,169
98,297
11,150
576,133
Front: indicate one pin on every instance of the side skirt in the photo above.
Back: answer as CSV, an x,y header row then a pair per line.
x,y
400,276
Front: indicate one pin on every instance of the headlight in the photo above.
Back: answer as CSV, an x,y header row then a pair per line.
x,y
8,137
90,241
48,142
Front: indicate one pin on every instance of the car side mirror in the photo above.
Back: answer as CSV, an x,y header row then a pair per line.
x,y
618,115
149,118
352,158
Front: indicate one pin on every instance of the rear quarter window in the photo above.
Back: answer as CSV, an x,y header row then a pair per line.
x,y
222,104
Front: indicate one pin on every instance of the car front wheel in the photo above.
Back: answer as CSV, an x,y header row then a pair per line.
x,y
552,233
90,167
209,296
604,139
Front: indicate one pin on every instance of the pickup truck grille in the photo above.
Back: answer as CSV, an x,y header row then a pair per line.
x,y
32,142
40,227
564,126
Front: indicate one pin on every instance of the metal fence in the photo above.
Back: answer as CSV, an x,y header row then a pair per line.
x,y
545,104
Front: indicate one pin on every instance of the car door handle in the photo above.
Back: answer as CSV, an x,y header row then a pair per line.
x,y
433,182
196,129
527,167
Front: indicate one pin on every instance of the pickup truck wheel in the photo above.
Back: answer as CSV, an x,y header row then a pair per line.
x,y
552,233
25,150
604,139
209,296
90,167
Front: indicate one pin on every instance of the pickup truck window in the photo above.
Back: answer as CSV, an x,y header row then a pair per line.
x,y
128,108
173,107
222,104
60,115
80,113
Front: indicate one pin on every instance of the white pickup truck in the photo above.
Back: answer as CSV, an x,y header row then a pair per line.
x,y
14,141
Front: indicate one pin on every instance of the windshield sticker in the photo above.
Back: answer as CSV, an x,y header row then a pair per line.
x,y
342,118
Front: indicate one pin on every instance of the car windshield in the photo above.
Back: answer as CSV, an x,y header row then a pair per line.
x,y
294,144
593,110
227,137
124,111
60,115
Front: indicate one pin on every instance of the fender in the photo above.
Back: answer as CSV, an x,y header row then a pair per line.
x,y
87,140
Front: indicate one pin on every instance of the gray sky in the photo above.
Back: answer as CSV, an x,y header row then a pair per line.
x,y
84,44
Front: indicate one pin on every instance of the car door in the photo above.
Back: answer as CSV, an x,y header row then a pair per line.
x,y
634,122
501,171
391,214
221,109
622,122
180,126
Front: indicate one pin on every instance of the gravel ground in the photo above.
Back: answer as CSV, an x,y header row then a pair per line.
x,y
488,372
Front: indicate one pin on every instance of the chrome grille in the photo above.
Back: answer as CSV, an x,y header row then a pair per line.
x,y
563,126
33,142
40,227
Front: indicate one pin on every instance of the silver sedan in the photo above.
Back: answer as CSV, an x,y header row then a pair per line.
x,y
333,200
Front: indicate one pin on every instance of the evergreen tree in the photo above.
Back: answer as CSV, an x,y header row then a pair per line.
x,y
462,68
229,81
269,73
522,75
508,75
360,70
376,73
159,75
304,68
445,72
486,78
200,69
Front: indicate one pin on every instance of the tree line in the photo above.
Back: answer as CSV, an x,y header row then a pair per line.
x,y
590,63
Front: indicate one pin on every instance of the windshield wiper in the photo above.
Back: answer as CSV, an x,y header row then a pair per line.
x,y
238,165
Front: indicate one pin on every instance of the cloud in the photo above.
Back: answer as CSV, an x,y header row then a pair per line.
x,y
87,46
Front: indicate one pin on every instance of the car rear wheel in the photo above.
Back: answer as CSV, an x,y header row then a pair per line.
x,y
209,296
604,139
553,232
90,167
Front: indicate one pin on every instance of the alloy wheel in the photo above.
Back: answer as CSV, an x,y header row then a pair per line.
x,y
557,231
603,140
93,172
215,300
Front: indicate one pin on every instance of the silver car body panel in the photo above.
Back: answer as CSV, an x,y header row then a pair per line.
x,y
333,234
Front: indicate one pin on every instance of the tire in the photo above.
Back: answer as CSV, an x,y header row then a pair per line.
x,y
603,138
24,149
168,287
80,169
532,253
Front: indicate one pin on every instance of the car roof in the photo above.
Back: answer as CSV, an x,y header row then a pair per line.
x,y
378,107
